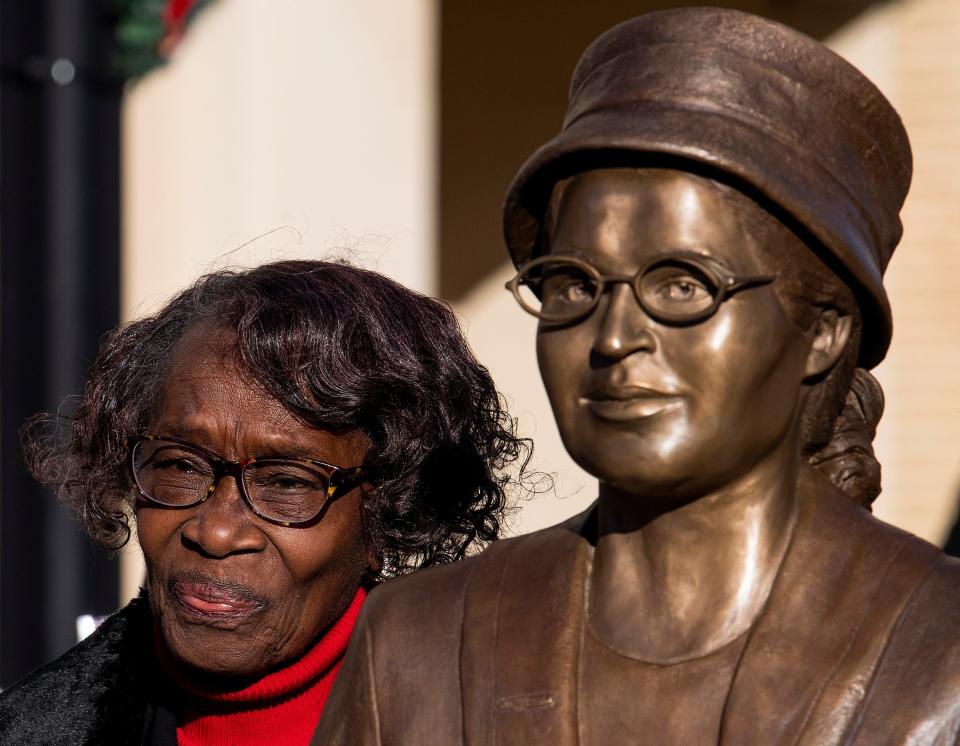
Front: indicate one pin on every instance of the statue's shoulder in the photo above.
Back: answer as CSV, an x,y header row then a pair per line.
x,y
841,531
934,604
414,633
927,599
909,591
435,596
914,694
900,551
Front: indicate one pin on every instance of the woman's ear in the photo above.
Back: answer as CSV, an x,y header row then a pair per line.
x,y
374,565
831,332
374,560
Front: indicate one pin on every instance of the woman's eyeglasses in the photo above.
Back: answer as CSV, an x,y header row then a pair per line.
x,y
290,492
679,288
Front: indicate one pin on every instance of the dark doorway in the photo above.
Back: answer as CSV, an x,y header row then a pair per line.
x,y
59,292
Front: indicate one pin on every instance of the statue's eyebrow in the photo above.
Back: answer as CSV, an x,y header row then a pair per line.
x,y
574,253
702,251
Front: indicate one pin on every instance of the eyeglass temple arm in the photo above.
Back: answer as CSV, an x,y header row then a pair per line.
x,y
745,282
345,480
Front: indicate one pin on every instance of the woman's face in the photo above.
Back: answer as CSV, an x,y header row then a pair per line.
x,y
233,594
665,410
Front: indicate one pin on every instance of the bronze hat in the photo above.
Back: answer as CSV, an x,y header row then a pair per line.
x,y
777,112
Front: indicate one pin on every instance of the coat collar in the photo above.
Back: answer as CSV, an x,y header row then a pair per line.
x,y
835,603
97,692
522,639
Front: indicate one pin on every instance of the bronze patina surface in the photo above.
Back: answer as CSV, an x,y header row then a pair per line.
x,y
704,244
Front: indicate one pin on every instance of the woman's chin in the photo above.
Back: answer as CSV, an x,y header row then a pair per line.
x,y
649,475
213,651
219,669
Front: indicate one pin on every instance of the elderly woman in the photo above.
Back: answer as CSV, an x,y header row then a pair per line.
x,y
703,244
284,438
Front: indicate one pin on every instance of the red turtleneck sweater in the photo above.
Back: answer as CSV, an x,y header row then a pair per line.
x,y
281,709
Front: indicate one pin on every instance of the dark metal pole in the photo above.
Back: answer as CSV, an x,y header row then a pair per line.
x,y
59,292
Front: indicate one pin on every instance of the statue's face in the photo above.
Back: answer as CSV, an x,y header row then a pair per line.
x,y
659,409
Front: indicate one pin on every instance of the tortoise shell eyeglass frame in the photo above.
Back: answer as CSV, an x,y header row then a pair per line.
x,y
340,480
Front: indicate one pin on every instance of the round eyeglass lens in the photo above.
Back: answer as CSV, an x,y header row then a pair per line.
x,y
559,290
677,290
287,491
170,473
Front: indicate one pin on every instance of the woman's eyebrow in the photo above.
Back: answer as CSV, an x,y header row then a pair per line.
x,y
176,429
280,450
277,449
288,449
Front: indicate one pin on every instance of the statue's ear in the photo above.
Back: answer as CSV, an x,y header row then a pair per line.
x,y
831,332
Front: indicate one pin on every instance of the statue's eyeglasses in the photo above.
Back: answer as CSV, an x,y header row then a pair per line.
x,y
290,492
679,288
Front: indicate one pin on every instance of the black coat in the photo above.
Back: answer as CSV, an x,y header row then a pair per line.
x,y
106,690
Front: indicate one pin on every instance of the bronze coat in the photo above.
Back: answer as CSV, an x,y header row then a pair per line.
x,y
859,643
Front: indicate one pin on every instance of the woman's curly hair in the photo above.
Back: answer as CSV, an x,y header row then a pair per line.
x,y
341,348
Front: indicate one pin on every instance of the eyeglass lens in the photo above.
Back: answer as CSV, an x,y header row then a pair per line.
x,y
677,290
558,289
176,475
673,289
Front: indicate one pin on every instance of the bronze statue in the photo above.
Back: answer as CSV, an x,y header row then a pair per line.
x,y
703,243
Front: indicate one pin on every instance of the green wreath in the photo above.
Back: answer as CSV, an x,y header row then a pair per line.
x,y
147,31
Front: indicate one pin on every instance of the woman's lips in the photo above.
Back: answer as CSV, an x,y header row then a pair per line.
x,y
211,599
629,403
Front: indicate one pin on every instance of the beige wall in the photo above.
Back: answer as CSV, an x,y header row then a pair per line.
x,y
912,51
313,114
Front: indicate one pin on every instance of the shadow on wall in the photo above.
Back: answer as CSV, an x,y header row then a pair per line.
x,y
952,545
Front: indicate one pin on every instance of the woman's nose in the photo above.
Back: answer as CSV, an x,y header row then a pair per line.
x,y
625,327
223,524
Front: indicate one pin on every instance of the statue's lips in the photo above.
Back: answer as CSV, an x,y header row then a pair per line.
x,y
626,403
215,599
